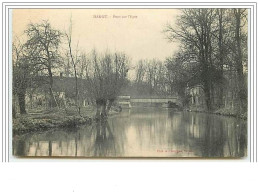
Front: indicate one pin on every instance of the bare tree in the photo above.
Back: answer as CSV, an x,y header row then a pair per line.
x,y
21,72
217,39
150,77
239,15
46,40
106,75
194,29
24,73
74,61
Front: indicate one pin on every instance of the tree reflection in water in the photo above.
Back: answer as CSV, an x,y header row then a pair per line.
x,y
210,135
141,133
97,140
104,144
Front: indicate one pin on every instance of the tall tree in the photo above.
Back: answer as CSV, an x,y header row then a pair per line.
x,y
24,72
106,75
221,50
240,43
194,30
46,40
74,60
21,73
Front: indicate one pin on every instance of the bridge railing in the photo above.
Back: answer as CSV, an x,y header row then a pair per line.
x,y
148,97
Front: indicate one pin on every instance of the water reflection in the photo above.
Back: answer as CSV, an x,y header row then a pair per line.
x,y
146,132
105,142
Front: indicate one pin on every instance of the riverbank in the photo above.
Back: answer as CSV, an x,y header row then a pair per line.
x,y
223,111
42,120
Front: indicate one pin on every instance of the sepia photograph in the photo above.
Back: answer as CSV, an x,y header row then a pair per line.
x,y
130,83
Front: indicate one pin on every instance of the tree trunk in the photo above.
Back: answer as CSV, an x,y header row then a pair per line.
x,y
21,99
98,108
14,107
109,106
104,114
241,82
77,94
52,101
207,95
221,57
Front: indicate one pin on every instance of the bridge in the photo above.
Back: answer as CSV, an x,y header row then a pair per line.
x,y
149,101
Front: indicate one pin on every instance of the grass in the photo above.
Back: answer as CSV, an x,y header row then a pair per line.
x,y
226,111
229,111
41,119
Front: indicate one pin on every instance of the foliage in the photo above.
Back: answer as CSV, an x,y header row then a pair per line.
x,y
212,42
45,40
105,76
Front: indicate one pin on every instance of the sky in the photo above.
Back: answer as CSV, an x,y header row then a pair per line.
x,y
137,32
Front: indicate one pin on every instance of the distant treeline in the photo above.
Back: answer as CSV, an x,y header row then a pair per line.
x,y
212,57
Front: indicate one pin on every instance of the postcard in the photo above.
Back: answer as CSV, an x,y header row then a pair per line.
x,y
130,83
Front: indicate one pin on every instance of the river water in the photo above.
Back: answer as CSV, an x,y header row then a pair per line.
x,y
142,132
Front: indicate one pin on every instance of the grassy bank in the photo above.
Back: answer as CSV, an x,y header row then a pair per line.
x,y
41,120
228,111
231,112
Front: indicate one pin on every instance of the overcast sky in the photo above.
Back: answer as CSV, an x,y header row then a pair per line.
x,y
137,32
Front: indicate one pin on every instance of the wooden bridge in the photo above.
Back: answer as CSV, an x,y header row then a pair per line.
x,y
151,101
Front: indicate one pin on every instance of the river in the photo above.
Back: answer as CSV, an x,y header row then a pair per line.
x,y
142,132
